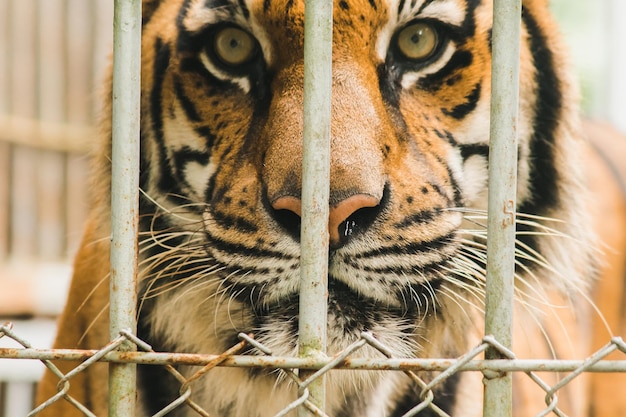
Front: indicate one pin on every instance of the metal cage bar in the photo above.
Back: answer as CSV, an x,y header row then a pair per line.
x,y
124,196
502,190
315,189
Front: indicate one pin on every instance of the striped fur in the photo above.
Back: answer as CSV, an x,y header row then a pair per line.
x,y
221,173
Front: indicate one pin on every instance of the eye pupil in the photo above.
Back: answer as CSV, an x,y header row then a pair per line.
x,y
417,41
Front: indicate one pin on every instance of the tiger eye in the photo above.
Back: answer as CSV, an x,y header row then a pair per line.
x,y
234,46
417,41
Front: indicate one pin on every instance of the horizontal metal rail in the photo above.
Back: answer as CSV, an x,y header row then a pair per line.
x,y
382,364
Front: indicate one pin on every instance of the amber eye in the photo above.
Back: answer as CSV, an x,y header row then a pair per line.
x,y
417,41
234,46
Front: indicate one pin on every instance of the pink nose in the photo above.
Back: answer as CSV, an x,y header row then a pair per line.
x,y
337,216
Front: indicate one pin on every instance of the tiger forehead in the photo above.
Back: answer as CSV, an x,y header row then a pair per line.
x,y
290,13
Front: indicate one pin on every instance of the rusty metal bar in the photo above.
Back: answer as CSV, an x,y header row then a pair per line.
x,y
502,199
315,189
393,364
124,197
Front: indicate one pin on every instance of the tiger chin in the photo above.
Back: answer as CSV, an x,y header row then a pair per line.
x,y
221,163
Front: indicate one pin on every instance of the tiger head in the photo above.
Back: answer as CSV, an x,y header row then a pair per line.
x,y
221,173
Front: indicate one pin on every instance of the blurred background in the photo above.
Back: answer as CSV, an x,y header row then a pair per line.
x,y
53,56
596,37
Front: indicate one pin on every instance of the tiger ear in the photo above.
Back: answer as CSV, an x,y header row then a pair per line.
x,y
147,8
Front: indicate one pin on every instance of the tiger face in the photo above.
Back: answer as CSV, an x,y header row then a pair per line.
x,y
221,164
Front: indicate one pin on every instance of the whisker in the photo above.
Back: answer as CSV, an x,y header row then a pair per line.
x,y
93,290
92,323
166,210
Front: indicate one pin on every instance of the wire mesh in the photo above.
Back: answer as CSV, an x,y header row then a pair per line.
x,y
469,362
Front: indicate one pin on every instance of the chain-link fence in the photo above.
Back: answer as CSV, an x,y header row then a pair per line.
x,y
308,371
469,362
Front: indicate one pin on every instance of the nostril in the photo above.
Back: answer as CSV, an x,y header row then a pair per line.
x,y
287,212
351,216
290,221
358,222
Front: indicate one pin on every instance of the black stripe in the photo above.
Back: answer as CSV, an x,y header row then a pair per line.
x,y
182,14
166,183
425,273
207,134
210,188
161,64
423,6
244,9
213,4
544,176
421,217
471,149
469,25
450,138
188,106
227,221
250,251
462,110
400,7
183,156
390,92
459,60
411,248
147,11
440,134
458,193
429,270
388,89
456,200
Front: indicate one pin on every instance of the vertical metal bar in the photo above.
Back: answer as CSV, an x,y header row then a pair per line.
x,y
502,200
315,187
124,196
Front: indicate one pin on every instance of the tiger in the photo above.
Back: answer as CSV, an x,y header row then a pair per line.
x,y
221,203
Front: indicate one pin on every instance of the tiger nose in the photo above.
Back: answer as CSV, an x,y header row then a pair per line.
x,y
343,218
